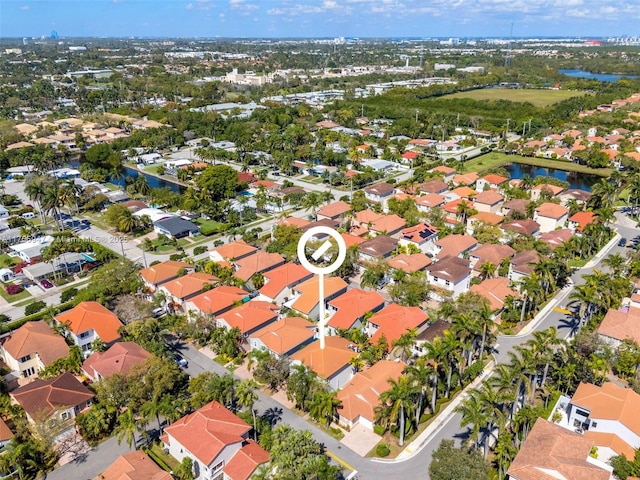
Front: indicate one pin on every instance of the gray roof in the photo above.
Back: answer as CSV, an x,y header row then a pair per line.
x,y
177,225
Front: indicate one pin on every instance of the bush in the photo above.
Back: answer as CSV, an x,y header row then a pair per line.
x,y
13,289
176,256
34,307
200,250
4,318
68,294
382,450
378,429
473,371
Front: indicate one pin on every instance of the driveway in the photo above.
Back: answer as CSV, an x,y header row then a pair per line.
x,y
361,440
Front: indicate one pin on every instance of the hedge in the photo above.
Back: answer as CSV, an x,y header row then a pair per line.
x,y
9,326
382,450
34,307
156,459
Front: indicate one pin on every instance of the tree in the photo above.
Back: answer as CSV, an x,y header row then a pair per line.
x,y
184,470
473,413
126,427
218,182
300,386
397,404
246,396
324,406
404,345
451,463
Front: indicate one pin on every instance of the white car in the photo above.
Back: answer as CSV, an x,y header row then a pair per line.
x,y
158,312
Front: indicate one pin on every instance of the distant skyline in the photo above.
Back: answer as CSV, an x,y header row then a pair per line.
x,y
319,18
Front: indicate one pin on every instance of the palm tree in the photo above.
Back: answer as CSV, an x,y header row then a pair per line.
x,y
246,397
420,373
487,270
473,413
126,427
35,189
436,353
324,406
312,201
404,345
616,263
484,321
399,402
69,194
504,453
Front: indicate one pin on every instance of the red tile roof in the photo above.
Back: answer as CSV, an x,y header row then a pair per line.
x,y
250,316
284,276
119,358
234,250
455,244
218,300
556,238
258,263
308,298
409,263
551,210
187,285
619,324
495,290
488,197
286,334
245,461
495,179
430,200
91,316
335,209
353,305
36,338
395,320
418,233
582,219
134,466
326,363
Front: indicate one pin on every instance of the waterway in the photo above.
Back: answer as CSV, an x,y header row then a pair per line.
x,y
152,180
577,180
601,77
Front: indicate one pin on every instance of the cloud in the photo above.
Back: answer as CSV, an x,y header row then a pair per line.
x,y
25,7
201,5
242,6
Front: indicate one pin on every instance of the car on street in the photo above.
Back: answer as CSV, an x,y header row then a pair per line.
x,y
622,242
46,283
158,312
180,360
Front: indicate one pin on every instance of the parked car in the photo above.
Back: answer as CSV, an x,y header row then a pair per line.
x,y
180,360
46,283
158,312
622,242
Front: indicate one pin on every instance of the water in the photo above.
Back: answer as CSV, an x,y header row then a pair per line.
x,y
601,77
581,181
154,182
246,193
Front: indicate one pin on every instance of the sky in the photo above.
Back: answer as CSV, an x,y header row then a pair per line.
x,y
319,18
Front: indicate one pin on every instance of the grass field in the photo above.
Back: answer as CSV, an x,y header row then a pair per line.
x,y
496,159
539,98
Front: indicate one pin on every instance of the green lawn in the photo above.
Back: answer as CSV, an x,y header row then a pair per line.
x,y
539,98
496,159
7,261
13,298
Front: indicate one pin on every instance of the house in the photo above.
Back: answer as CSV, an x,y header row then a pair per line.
x,y
522,227
365,218
31,348
434,186
305,299
522,264
5,435
333,363
518,205
434,330
545,189
552,452
348,310
409,263
135,465
181,289
57,400
176,227
249,317
119,358
333,211
216,301
579,220
454,245
496,291
619,325
450,273
30,251
492,253
379,193
232,251
556,238
292,221
280,281
488,201
421,235
463,192
389,225
580,196
213,437
361,395
491,181
608,416
447,172
377,247
160,273
468,179
260,262
482,218
393,321
284,337
90,321
425,203
550,216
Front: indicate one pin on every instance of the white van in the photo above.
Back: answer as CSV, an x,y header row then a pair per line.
x,y
28,215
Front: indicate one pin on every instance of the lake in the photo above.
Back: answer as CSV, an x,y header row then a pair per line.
x,y
581,181
154,182
601,77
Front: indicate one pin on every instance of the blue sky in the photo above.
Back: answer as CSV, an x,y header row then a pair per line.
x,y
319,18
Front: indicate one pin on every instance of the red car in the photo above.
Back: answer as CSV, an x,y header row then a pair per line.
x,y
46,284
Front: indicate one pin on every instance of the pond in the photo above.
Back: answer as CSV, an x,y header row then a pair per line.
x,y
577,180
601,77
153,181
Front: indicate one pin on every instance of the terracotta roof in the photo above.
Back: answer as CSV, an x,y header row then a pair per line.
x,y
517,205
582,219
352,305
496,290
326,363
43,397
409,263
250,315
325,222
246,177
452,206
554,189
410,155
208,431
361,395
430,200
134,466
135,205
434,186
351,240
381,189
245,461
526,226
334,209
327,124
418,233
464,192
551,452
395,320
551,210
5,431
444,169
92,316
284,276
612,441
218,300
264,183
495,179
294,222
487,217
36,338
620,324
119,358
237,249
466,178
577,194
308,298
162,272
524,261
367,216
455,244
257,263
388,223
286,334
187,285
556,238
489,252
488,197
379,246
450,268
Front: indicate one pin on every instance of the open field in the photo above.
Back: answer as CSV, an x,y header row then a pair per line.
x,y
496,159
539,98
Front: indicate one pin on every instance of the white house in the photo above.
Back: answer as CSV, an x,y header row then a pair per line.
x,y
450,273
550,216
30,251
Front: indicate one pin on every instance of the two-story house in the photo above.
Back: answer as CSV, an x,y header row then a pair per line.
x,y
333,363
90,321
160,273
379,193
348,310
284,337
305,300
550,216
279,282
120,358
450,273
421,235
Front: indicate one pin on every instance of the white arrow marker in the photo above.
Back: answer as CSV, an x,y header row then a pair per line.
x,y
322,250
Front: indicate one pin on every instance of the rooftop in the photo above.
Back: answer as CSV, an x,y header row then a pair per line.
x,y
119,358
352,305
281,277
257,263
308,292
187,285
36,338
91,316
395,320
450,268
326,363
285,334
135,465
164,271
250,315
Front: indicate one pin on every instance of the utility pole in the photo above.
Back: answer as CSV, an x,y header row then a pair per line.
x,y
417,111
524,127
